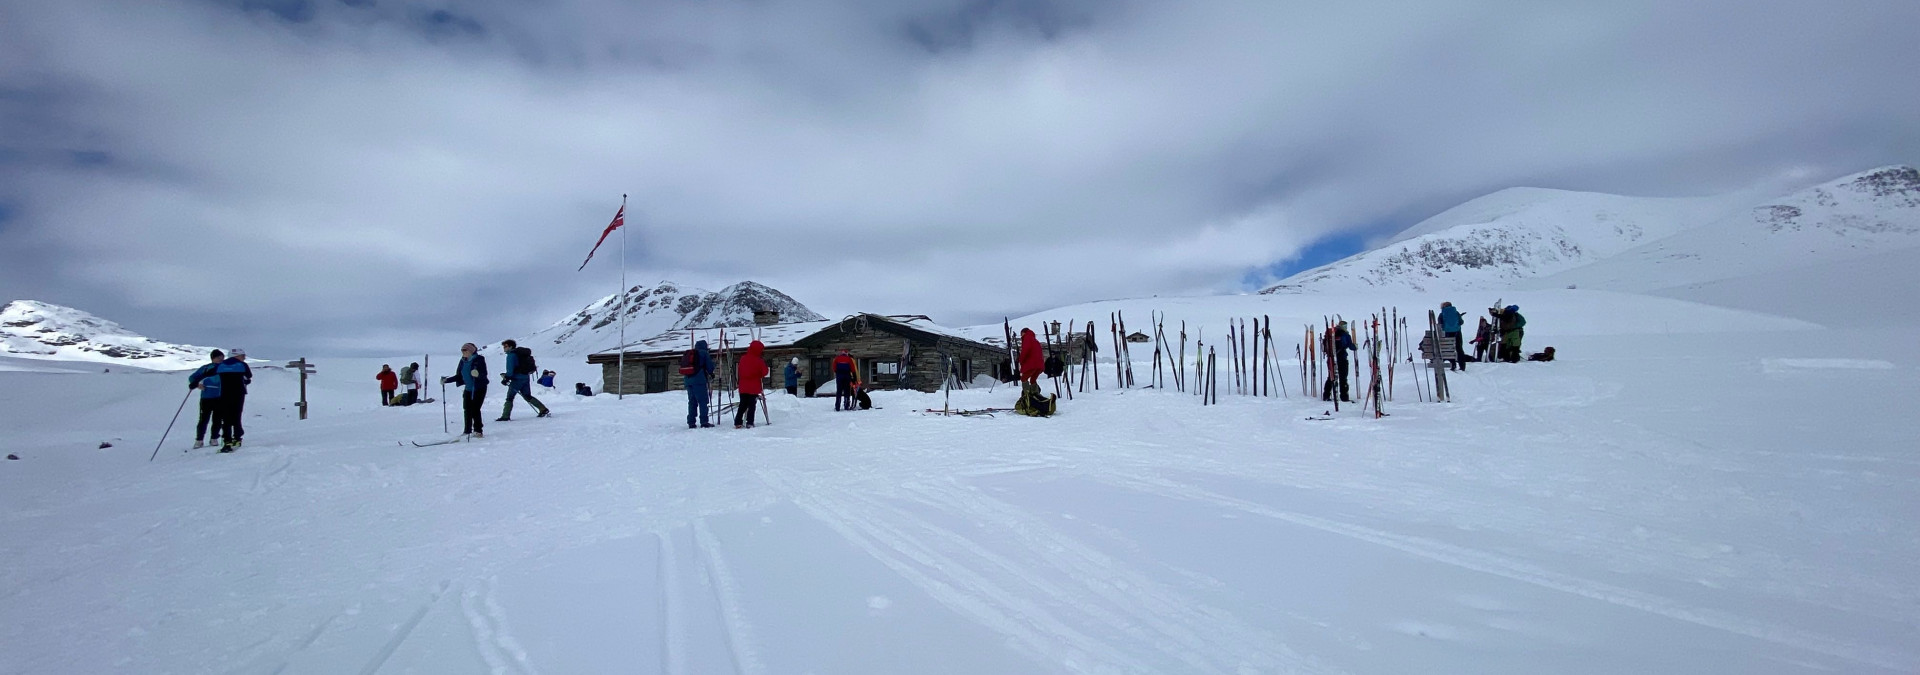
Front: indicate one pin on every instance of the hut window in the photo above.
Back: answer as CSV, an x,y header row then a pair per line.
x,y
887,368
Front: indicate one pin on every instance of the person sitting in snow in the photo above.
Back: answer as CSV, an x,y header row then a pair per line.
x,y
581,389
546,379
1542,356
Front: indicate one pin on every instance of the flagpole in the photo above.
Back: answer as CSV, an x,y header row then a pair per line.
x,y
620,379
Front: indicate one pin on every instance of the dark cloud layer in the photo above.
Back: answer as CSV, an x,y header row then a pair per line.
x,y
368,176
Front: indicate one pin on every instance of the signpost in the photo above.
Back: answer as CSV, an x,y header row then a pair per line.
x,y
305,370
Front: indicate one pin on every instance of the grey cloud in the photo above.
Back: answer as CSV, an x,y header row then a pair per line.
x,y
349,175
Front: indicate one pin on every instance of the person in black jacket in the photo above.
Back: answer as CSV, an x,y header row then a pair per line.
x,y
234,377
472,375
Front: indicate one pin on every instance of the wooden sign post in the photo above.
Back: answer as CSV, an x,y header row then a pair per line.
x,y
305,370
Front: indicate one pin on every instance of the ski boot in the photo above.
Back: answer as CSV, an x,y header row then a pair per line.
x,y
545,413
198,444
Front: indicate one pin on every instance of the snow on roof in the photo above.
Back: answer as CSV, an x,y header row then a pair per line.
x,y
774,336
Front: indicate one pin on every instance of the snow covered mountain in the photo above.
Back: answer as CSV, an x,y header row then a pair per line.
x,y
1508,236
660,308
38,330
1865,214
1535,238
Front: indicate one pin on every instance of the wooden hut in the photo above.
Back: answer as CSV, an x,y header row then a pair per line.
x,y
892,352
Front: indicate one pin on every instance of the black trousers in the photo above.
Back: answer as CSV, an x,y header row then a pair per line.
x,y
470,403
746,409
209,412
1340,376
842,391
231,408
793,390
386,397
1460,350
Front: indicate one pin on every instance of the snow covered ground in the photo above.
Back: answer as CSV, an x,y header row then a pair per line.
x,y
1689,490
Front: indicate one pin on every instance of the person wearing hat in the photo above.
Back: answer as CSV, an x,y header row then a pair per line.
x,y
793,377
234,377
1342,343
472,377
207,380
1513,328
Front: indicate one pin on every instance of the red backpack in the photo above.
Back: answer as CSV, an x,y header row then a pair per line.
x,y
689,363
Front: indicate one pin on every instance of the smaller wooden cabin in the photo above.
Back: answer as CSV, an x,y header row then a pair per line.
x,y
892,352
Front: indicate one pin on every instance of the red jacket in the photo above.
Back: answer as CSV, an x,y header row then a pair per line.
x,y
388,380
1033,359
753,369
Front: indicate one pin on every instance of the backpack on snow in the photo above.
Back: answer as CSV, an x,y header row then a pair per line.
x,y
523,361
689,363
1054,367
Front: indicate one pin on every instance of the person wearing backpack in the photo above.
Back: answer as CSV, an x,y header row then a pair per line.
x,y
753,373
207,380
1513,328
518,376
695,366
843,380
410,380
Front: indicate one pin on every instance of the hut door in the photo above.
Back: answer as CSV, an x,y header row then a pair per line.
x,y
821,374
656,379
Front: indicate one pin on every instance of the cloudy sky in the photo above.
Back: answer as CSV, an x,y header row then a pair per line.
x,y
372,176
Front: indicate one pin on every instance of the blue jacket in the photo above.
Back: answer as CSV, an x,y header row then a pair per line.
x,y
546,380
793,375
1450,319
702,366
472,374
1343,340
205,379
234,377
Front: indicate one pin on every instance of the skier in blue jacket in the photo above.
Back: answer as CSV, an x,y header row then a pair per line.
x,y
1450,323
696,382
517,376
234,376
472,375
204,378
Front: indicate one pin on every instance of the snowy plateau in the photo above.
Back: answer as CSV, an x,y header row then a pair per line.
x,y
1718,475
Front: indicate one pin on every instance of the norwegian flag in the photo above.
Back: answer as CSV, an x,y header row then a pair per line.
x,y
619,218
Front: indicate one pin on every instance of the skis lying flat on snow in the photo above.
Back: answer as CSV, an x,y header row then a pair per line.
x,y
983,412
430,444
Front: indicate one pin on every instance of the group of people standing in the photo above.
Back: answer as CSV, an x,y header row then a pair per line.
x,y
1502,330
390,384
696,373
223,398
471,377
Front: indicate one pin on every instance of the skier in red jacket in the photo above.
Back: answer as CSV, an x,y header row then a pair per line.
x,y
753,371
389,383
1033,359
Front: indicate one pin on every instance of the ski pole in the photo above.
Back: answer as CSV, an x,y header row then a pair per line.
x,y
443,408
176,418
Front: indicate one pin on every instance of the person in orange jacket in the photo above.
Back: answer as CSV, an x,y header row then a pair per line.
x,y
1033,359
753,373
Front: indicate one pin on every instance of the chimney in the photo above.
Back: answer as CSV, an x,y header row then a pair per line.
x,y
766,317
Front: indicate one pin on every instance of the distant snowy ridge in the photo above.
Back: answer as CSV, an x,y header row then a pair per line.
x,y
663,307
39,330
1865,214
1511,235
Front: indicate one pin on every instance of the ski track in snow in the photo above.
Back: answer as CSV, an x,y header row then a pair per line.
x,y
1595,488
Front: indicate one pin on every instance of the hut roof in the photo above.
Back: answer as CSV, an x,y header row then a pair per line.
x,y
783,335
